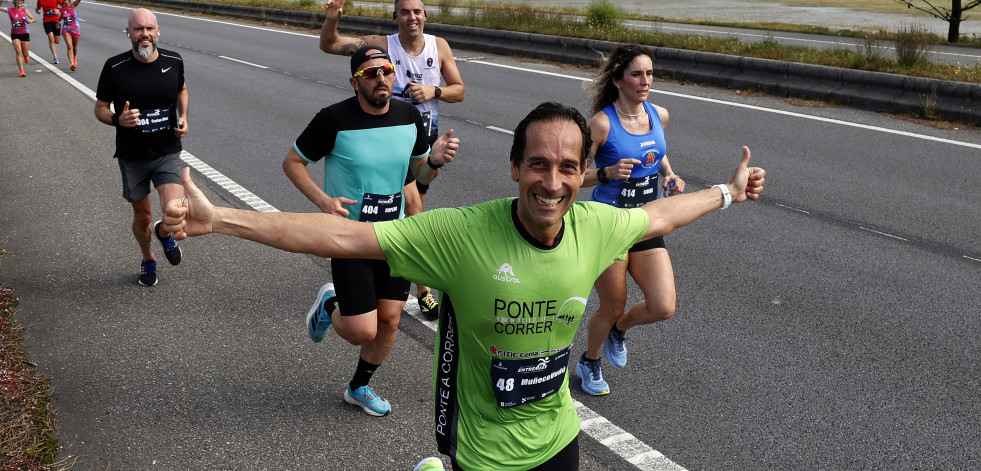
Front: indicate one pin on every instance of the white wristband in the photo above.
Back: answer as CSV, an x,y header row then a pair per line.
x,y
726,196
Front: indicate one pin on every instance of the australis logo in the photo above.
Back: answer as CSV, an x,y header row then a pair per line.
x,y
506,273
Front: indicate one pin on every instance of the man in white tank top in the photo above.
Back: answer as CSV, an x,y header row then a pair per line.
x,y
421,61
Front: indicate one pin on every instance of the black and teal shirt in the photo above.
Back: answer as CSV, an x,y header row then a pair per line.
x,y
366,156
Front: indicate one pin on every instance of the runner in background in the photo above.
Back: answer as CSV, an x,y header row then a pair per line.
x,y
629,150
70,30
52,24
20,37
423,61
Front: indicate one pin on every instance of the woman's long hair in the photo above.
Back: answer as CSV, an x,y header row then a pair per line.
x,y
604,92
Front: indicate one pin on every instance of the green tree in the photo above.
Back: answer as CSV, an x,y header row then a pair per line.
x,y
953,15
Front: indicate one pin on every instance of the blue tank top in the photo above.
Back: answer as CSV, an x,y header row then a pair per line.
x,y
650,148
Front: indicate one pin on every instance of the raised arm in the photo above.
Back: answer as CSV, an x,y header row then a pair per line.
x,y
669,214
333,43
313,233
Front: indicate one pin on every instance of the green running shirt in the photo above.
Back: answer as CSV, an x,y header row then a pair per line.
x,y
510,308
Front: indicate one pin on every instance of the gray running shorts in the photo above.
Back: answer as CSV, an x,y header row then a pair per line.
x,y
137,175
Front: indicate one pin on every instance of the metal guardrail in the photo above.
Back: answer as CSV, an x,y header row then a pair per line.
x,y
875,91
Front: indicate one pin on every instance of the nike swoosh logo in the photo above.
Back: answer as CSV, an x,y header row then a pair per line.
x,y
164,71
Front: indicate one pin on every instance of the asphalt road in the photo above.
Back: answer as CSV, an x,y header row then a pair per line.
x,y
832,325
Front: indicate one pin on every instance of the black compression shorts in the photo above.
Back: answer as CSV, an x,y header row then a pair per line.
x,y
360,283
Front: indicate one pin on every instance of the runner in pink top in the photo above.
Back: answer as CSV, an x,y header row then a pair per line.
x,y
20,37
70,30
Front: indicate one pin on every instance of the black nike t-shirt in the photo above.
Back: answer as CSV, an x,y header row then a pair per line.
x,y
151,88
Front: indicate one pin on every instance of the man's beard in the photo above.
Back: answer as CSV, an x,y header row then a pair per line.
x,y
145,52
377,102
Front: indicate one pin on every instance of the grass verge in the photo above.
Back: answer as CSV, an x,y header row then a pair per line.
x,y
866,55
27,422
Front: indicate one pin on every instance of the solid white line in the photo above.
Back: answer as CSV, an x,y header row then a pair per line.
x,y
756,108
883,233
971,258
240,61
209,20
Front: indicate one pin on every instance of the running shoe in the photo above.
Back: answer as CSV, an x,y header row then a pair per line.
x,y
368,399
591,373
430,464
171,250
27,59
22,74
428,305
318,318
55,61
615,348
148,272
72,67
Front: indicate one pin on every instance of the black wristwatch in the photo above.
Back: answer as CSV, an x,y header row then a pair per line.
x,y
439,91
601,174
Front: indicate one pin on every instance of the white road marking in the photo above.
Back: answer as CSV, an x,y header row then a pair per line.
x,y
755,108
240,61
883,234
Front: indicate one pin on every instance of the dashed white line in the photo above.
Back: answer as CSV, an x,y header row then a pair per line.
x,y
240,61
792,208
883,234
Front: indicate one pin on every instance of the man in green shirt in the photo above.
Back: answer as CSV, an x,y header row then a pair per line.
x,y
514,275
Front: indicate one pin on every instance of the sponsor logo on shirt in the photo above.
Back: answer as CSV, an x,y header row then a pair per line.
x,y
541,366
506,273
648,143
649,158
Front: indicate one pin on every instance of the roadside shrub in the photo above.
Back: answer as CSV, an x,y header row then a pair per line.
x,y
445,7
912,45
603,14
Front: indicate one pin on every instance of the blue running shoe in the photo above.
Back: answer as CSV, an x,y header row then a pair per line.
x,y
430,464
368,399
171,250
318,318
591,373
148,272
615,348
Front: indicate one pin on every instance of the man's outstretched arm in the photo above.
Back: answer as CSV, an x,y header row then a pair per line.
x,y
313,233
669,214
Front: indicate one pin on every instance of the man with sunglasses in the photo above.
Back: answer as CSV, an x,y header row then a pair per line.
x,y
423,60
368,142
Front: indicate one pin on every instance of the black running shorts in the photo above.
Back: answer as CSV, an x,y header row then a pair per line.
x,y
360,283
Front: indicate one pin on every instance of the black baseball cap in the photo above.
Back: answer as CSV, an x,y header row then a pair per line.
x,y
361,56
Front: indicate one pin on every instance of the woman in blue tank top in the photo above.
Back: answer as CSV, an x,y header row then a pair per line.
x,y
629,150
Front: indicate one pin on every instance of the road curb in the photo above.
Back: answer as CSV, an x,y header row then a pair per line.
x,y
875,91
